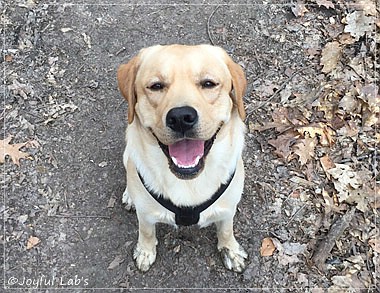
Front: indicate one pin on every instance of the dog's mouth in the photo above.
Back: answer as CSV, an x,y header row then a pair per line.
x,y
187,157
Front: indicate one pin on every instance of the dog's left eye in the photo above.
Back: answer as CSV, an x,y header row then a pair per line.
x,y
208,84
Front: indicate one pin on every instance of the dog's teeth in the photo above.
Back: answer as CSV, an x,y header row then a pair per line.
x,y
197,160
174,161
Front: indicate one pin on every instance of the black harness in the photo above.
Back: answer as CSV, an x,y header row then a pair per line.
x,y
186,216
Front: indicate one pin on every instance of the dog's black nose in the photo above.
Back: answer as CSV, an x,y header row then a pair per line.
x,y
181,119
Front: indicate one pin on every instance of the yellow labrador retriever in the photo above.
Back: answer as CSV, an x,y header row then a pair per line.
x,y
184,143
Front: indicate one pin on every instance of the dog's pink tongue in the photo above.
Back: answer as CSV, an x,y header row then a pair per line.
x,y
186,153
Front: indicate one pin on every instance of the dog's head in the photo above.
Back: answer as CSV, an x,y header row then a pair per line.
x,y
183,95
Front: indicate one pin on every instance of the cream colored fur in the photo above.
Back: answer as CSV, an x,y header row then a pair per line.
x,y
143,153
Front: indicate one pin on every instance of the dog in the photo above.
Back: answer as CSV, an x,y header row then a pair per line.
x,y
184,143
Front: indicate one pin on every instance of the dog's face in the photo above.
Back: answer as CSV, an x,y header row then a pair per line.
x,y
183,95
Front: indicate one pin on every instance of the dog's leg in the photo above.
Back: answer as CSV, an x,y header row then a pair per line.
x,y
233,255
145,250
127,200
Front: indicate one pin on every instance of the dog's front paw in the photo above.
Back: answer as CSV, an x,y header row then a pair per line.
x,y
127,200
144,258
234,259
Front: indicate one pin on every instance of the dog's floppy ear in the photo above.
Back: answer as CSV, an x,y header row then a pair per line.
x,y
126,76
239,85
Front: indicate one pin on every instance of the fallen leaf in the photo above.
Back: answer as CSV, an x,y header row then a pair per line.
x,y
111,202
299,9
349,104
21,89
346,175
328,202
358,24
12,150
369,94
352,186
66,29
32,242
293,248
287,252
347,283
327,164
303,279
267,247
325,3
350,129
116,262
346,39
305,148
22,219
267,89
331,54
375,244
321,130
87,40
283,144
368,6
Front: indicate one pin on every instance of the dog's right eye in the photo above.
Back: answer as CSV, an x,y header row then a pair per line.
x,y
157,86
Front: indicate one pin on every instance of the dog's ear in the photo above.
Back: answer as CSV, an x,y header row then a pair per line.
x,y
239,85
126,76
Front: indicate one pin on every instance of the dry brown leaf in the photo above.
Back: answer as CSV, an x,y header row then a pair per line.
x,y
375,244
358,24
346,175
327,164
299,9
346,39
368,6
32,242
116,262
305,148
370,104
267,247
350,129
283,144
267,89
12,150
349,104
352,186
369,94
21,89
321,130
331,54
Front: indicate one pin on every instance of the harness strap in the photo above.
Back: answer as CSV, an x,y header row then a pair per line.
x,y
186,216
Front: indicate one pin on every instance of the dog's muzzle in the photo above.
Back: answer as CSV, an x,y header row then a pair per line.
x,y
187,155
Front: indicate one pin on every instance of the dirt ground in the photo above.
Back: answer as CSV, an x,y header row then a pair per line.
x,y
64,223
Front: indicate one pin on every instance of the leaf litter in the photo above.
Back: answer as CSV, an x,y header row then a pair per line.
x,y
330,134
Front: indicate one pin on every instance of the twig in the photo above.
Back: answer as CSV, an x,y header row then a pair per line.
x,y
208,24
121,50
293,216
325,245
79,216
80,236
283,85
257,58
357,73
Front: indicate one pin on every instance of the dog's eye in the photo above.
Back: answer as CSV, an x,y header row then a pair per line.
x,y
157,86
208,84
